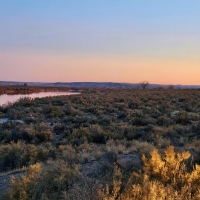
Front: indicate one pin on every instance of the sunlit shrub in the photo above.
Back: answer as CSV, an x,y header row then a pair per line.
x,y
50,183
163,177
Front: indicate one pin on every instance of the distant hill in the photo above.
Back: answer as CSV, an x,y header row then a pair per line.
x,y
94,85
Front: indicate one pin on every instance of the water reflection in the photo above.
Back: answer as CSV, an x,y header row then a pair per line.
x,y
5,99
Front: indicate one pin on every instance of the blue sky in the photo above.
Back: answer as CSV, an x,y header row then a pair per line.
x,y
154,30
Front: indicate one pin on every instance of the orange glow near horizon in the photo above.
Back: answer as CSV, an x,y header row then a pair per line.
x,y
40,67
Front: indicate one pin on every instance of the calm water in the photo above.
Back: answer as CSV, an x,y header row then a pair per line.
x,y
4,99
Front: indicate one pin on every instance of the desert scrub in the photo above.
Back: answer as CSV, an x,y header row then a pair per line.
x,y
49,182
21,188
163,177
20,154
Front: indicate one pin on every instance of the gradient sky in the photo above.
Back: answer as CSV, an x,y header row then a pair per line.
x,y
100,40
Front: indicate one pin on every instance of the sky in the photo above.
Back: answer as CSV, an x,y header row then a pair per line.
x,y
100,40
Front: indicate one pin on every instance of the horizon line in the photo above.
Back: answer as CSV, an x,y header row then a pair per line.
x,y
99,82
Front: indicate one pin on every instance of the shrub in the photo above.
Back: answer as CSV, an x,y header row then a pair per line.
x,y
18,155
22,188
164,177
39,183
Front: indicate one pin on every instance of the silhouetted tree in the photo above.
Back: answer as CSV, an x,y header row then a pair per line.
x,y
171,87
144,84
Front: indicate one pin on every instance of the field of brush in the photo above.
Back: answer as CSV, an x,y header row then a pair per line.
x,y
102,144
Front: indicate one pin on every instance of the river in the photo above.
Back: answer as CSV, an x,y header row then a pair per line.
x,y
5,99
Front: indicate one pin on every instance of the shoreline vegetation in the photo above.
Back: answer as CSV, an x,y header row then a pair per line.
x,y
102,144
